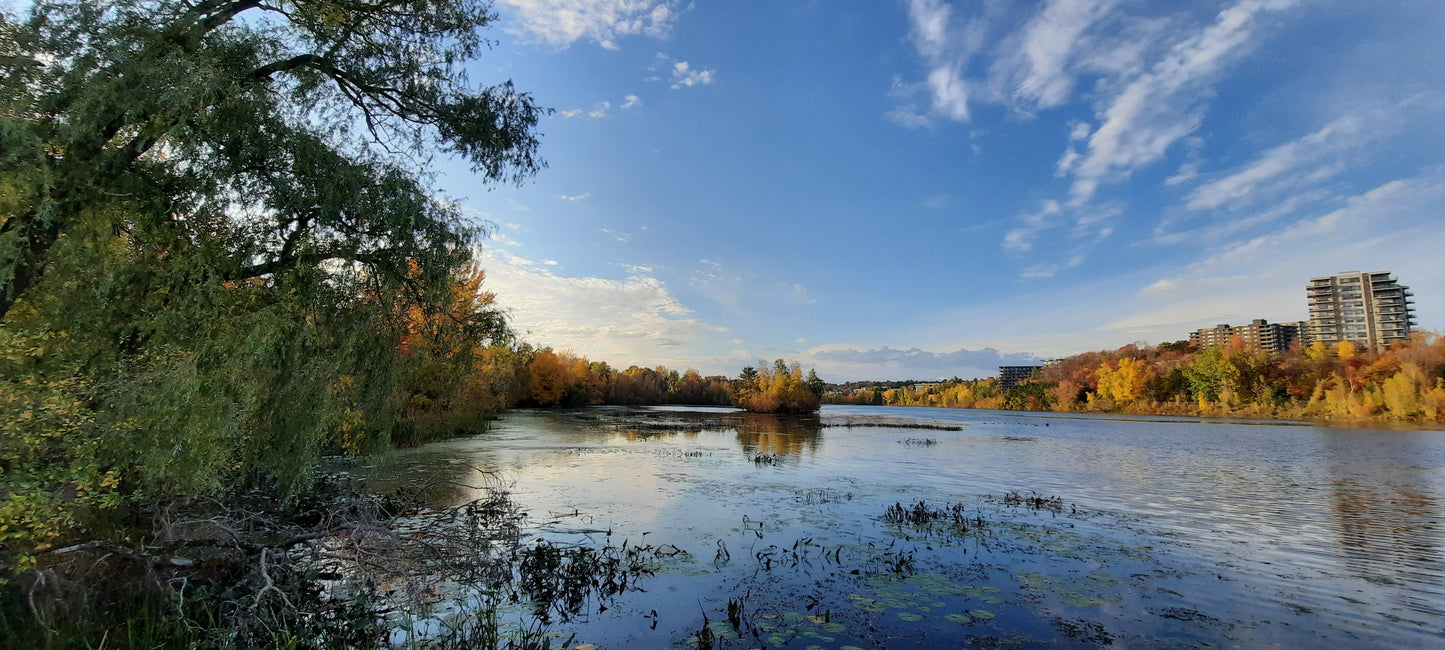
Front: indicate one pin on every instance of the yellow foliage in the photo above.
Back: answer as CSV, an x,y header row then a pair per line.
x,y
1345,349
1401,393
1433,401
780,389
1122,382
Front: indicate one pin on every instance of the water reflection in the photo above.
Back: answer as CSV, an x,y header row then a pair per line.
x,y
757,433
779,436
1387,519
1265,530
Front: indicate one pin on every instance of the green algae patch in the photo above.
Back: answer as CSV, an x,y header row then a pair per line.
x,y
1089,591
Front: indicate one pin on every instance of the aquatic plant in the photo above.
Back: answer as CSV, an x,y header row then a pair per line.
x,y
1034,501
918,442
821,496
922,515
766,459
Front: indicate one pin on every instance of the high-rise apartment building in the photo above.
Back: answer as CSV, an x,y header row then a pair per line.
x,y
1370,309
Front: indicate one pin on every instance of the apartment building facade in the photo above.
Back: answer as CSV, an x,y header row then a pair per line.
x,y
1260,333
1371,309
1010,376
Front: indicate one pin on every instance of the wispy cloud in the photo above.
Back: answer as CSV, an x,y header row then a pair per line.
x,y
1301,162
563,22
1152,80
619,236
1039,63
632,320
685,75
574,198
599,110
946,57
1165,103
913,363
1391,226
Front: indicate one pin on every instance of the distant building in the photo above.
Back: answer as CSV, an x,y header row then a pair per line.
x,y
1259,333
1009,376
1371,309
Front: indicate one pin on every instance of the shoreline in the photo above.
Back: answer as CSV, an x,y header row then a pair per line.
x,y
1372,424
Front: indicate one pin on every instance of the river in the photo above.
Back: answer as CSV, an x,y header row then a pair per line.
x,y
1035,529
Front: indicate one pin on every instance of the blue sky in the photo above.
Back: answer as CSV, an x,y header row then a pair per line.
x,y
920,189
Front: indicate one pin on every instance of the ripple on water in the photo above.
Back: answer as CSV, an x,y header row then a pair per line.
x,y
1177,532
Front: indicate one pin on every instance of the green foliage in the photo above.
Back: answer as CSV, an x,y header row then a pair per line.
x,y
1211,377
1028,396
217,244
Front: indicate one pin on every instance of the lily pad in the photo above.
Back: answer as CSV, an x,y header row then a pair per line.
x,y
868,604
982,614
910,617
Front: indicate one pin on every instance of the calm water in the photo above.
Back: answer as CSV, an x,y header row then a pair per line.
x,y
1172,532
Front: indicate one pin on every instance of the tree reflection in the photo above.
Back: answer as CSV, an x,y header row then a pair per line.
x,y
1387,520
760,433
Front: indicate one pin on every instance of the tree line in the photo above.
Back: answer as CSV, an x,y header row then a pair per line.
x,y
521,376
1403,382
222,257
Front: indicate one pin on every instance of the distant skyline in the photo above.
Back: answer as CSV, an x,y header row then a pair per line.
x,y
926,189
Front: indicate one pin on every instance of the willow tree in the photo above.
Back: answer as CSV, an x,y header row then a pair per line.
x,y
215,223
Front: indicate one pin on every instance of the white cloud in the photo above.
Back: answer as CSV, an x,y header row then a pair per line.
x,y
683,74
600,110
849,364
570,113
908,116
564,22
632,320
797,292
950,91
631,101
1301,162
1021,239
574,198
933,38
1392,226
1040,59
619,236
1289,177
1166,102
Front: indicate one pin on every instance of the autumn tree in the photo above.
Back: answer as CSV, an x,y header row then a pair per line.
x,y
217,233
780,389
